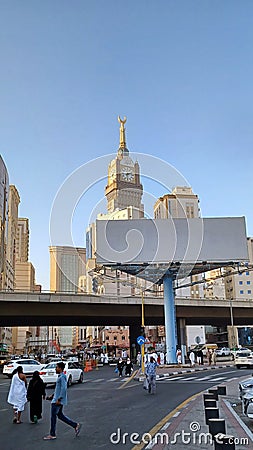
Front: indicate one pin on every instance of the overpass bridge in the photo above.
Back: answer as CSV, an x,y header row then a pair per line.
x,y
38,309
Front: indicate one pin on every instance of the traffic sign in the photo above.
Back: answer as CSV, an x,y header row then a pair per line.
x,y
140,340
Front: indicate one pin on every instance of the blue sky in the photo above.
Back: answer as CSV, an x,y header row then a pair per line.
x,y
181,71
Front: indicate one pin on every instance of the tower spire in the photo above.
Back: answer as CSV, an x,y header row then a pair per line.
x,y
122,134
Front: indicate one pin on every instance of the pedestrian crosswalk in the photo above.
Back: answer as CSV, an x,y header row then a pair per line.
x,y
104,380
192,379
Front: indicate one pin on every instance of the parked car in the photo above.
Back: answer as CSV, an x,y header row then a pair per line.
x,y
3,360
243,359
235,350
72,371
245,386
223,351
29,366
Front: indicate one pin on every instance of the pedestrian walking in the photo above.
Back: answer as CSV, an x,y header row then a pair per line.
x,y
179,356
199,357
138,359
17,393
161,358
124,354
151,375
35,393
192,358
120,366
59,399
213,357
128,367
209,357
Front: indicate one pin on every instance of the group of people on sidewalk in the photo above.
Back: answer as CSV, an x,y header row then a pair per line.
x,y
199,357
19,395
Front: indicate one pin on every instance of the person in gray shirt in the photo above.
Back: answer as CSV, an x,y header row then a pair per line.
x,y
59,399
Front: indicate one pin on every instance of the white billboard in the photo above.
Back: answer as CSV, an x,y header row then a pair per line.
x,y
188,241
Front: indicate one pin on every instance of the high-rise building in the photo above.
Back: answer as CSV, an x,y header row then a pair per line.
x,y
239,283
24,270
180,204
13,204
67,273
25,282
124,188
124,202
67,265
4,191
22,240
6,274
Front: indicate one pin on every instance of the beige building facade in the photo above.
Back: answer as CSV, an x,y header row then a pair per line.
x,y
13,205
67,274
181,203
4,190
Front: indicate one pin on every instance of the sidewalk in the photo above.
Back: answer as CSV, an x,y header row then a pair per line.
x,y
186,427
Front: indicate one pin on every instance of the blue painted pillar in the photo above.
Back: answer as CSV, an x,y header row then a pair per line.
x,y
170,320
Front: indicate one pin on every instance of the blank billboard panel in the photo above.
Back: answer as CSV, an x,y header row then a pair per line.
x,y
186,241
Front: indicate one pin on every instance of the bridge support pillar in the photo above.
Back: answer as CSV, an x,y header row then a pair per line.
x,y
170,319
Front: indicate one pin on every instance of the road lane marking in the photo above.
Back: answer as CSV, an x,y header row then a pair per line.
x,y
127,380
165,426
218,379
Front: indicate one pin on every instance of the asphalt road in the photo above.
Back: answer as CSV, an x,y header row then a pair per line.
x,y
105,404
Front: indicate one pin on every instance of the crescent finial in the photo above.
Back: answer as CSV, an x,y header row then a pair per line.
x,y
122,121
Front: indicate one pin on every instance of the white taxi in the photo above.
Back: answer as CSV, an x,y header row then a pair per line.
x,y
72,371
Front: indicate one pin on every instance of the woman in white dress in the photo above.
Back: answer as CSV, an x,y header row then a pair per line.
x,y
17,393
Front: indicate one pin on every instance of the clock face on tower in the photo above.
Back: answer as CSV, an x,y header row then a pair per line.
x,y
127,174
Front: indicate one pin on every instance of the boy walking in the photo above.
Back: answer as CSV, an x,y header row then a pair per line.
x,y
59,399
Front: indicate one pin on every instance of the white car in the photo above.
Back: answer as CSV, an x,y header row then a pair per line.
x,y
245,386
239,350
224,351
243,359
71,370
29,366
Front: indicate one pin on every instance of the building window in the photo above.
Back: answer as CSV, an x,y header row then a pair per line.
x,y
248,282
249,291
240,282
241,292
123,338
246,273
115,338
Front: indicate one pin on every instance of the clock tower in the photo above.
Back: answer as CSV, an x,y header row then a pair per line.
x,y
124,188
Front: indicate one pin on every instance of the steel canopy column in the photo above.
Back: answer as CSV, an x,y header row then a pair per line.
x,y
170,321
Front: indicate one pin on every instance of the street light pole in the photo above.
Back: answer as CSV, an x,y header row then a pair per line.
x,y
143,328
232,321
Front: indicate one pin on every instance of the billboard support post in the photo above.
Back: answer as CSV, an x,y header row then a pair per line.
x,y
170,319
